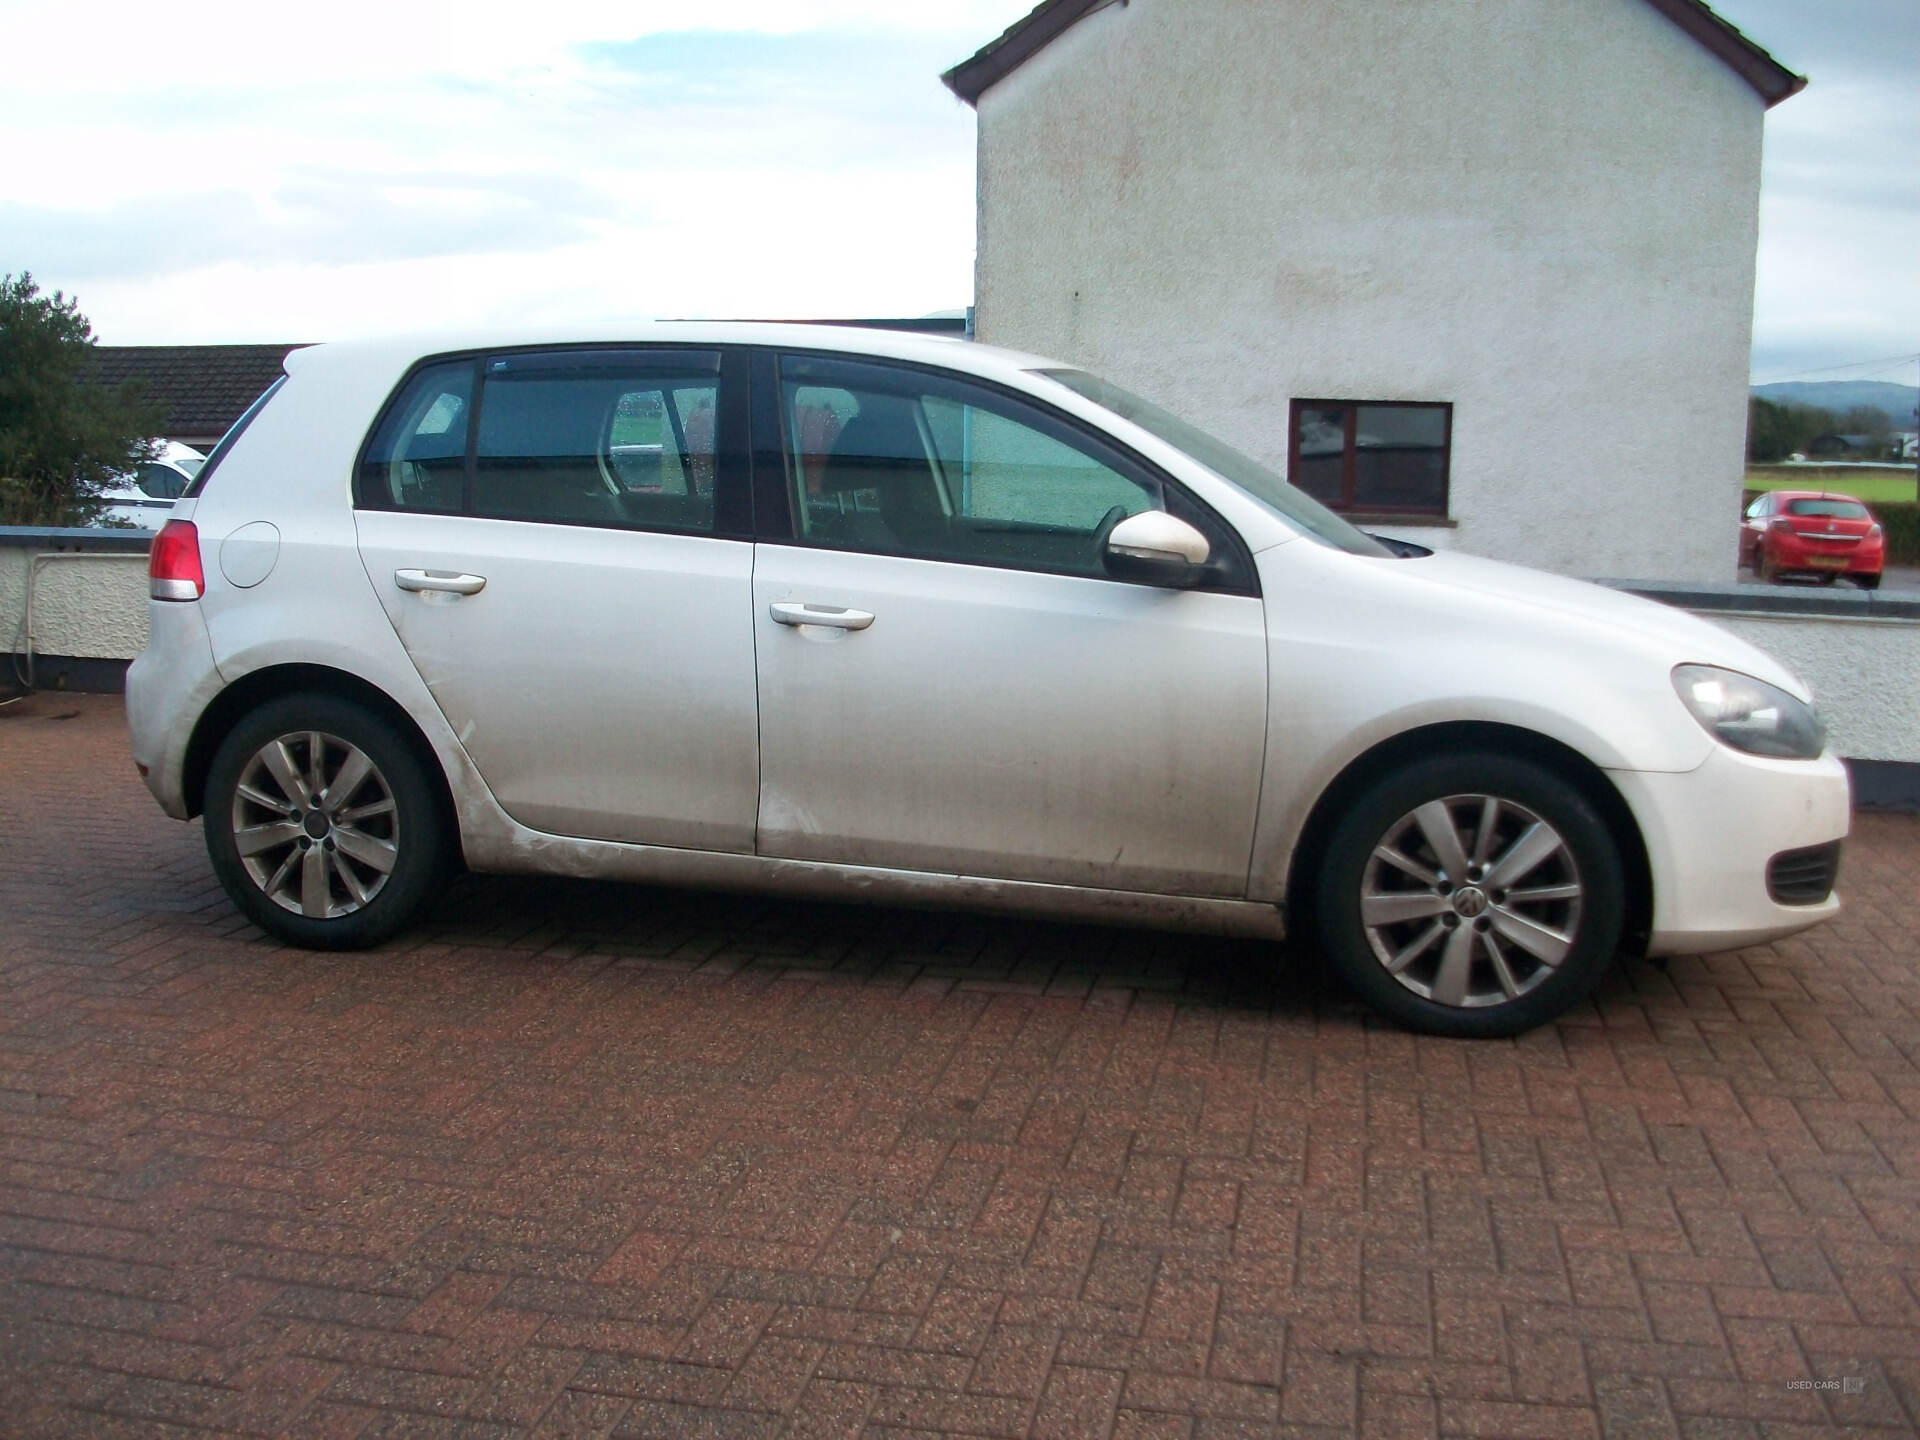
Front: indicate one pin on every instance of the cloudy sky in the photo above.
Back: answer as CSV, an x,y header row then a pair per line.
x,y
210,170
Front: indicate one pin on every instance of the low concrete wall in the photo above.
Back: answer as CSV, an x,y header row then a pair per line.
x,y
1859,651
89,612
1865,674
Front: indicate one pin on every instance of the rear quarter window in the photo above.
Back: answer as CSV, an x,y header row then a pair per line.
x,y
416,458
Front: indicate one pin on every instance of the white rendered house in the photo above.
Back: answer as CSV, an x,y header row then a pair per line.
x,y
1478,272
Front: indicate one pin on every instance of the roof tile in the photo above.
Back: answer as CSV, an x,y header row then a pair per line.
x,y
202,388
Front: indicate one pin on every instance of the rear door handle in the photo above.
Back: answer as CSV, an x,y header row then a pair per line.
x,y
833,616
448,581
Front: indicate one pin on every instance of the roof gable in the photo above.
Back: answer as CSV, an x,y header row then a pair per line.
x,y
1027,37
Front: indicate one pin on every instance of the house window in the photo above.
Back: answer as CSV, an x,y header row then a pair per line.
x,y
1359,455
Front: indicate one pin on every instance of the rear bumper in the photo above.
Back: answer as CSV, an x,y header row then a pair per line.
x,y
1798,555
169,686
1711,834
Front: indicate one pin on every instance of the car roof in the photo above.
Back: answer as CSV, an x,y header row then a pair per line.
x,y
947,351
1816,495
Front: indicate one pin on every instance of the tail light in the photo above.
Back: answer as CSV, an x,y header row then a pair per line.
x,y
1873,531
1782,526
173,564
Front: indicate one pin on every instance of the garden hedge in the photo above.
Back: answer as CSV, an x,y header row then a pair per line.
x,y
1901,521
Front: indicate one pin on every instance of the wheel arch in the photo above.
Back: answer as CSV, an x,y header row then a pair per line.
x,y
1457,737
258,687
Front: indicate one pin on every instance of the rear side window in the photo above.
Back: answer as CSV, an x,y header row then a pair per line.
x,y
619,438
598,439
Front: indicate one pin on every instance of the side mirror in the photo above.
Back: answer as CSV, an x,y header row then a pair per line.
x,y
1156,548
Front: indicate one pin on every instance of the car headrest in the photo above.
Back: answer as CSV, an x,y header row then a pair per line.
x,y
878,446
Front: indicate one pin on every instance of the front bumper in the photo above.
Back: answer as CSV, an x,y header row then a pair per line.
x,y
1711,833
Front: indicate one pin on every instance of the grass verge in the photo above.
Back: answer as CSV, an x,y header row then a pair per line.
x,y
1875,484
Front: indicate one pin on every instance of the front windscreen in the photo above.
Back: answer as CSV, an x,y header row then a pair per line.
x,y
1290,503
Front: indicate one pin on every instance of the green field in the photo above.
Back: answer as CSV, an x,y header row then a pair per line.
x,y
1876,484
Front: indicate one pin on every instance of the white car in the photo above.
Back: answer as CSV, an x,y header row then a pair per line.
x,y
144,499
857,614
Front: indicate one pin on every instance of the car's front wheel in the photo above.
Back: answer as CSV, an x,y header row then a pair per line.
x,y
1472,895
322,824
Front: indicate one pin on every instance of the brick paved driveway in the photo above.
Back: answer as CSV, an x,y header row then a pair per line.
x,y
584,1159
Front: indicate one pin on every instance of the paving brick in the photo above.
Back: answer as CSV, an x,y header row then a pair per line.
x,y
575,1159
1151,1425
1077,1402
1319,1390
1492,1420
1014,1361
774,1376
1633,1407
579,1416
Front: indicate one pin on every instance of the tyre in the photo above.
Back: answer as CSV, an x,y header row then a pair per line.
x,y
322,824
1867,582
1764,568
1474,895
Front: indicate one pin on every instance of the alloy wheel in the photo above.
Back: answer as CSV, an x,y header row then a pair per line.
x,y
315,824
1471,900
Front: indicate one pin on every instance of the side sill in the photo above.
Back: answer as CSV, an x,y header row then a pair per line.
x,y
524,851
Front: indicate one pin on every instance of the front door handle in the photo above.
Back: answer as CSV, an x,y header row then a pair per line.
x,y
447,581
832,616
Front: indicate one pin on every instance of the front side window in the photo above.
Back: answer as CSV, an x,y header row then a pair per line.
x,y
1366,456
897,461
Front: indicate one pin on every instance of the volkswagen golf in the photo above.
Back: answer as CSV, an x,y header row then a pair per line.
x,y
856,614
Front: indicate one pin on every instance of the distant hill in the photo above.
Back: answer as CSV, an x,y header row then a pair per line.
x,y
1841,396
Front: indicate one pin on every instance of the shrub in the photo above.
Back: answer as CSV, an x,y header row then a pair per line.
x,y
62,439
1901,521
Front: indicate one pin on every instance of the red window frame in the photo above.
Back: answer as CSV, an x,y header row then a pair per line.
x,y
1346,502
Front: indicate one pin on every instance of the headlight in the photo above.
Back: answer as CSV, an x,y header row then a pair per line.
x,y
1750,714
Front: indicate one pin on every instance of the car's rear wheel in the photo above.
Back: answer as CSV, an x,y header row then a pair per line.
x,y
1764,567
1472,895
1867,582
322,824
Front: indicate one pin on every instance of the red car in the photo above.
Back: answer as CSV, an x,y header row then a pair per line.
x,y
1813,533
